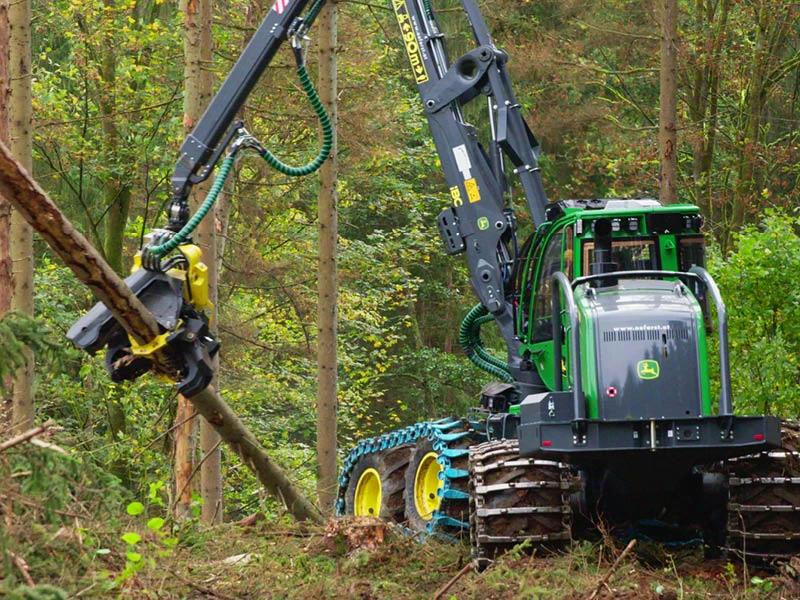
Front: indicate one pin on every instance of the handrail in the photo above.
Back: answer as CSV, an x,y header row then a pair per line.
x,y
577,383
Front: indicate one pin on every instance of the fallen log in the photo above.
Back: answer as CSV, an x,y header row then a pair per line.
x,y
19,188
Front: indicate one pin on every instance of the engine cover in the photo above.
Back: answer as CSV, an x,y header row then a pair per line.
x,y
647,357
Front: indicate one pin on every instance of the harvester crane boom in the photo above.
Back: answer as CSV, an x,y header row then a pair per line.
x,y
478,221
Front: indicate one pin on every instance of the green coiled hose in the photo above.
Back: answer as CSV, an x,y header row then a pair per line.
x,y
175,241
161,250
327,132
470,340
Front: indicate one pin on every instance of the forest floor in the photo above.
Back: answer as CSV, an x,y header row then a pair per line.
x,y
354,560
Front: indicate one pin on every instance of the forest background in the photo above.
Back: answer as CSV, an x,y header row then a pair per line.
x,y
587,77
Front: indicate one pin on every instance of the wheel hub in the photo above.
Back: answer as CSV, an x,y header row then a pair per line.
x,y
427,485
368,494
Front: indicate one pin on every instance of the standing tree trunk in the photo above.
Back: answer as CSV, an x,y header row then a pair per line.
x,y
186,434
21,116
327,284
703,103
668,112
211,468
116,193
6,280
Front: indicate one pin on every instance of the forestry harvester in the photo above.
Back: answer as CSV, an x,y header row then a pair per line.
x,y
603,410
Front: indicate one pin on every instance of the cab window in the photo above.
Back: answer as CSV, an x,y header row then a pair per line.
x,y
542,304
630,255
691,252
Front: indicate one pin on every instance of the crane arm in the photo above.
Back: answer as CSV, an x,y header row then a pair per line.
x,y
478,221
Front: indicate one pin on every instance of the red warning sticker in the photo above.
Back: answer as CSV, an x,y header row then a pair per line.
x,y
280,5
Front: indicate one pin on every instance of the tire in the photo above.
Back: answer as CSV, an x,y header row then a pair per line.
x,y
515,500
419,502
376,485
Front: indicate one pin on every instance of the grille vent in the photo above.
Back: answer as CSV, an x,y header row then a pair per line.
x,y
646,335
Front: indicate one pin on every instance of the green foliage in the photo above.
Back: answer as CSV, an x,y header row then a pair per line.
x,y
758,282
19,332
38,592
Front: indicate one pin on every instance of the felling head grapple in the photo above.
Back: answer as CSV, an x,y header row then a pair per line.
x,y
177,296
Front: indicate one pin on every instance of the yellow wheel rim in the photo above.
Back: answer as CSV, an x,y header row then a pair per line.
x,y
426,486
368,494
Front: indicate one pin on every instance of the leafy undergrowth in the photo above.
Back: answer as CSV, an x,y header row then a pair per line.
x,y
148,558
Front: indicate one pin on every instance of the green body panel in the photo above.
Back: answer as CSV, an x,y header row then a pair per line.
x,y
589,365
570,233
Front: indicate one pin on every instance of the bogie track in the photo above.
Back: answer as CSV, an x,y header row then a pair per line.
x,y
515,499
394,459
764,504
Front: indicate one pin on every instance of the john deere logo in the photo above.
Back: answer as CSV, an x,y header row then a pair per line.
x,y
647,369
483,223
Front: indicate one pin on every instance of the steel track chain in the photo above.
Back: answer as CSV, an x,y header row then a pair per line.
x,y
764,506
515,499
447,435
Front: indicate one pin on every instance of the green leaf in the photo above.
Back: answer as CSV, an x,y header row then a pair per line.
x,y
155,523
102,551
133,556
135,508
131,538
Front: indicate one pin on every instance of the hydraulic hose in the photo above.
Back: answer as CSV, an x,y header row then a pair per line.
x,y
312,13
175,241
161,250
469,337
324,121
480,349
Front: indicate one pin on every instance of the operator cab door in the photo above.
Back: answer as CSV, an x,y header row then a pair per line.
x,y
553,254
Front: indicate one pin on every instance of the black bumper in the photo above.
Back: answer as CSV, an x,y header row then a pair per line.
x,y
548,428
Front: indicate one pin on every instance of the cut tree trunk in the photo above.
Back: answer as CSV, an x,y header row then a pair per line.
x,y
18,187
6,281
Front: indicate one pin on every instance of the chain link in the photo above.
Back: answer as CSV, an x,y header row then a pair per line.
x,y
444,433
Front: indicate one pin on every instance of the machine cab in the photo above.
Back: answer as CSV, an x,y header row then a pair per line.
x,y
644,236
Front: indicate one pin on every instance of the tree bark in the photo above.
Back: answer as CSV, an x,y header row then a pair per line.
x,y
211,467
6,278
21,116
85,262
186,435
198,45
184,456
116,193
327,283
711,33
668,110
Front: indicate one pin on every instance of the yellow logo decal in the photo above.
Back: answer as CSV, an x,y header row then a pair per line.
x,y
410,41
455,194
472,190
483,223
648,369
